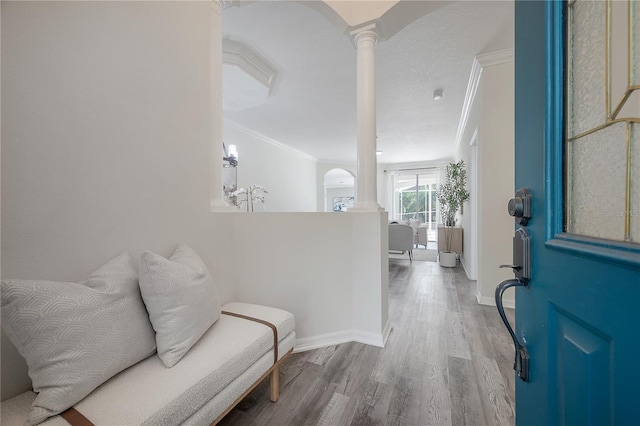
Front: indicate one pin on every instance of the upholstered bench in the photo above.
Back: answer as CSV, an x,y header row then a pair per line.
x,y
150,346
230,359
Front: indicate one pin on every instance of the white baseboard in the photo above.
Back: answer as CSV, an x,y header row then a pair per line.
x,y
464,266
490,301
322,341
331,339
372,339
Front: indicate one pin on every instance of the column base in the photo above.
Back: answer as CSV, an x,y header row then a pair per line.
x,y
222,206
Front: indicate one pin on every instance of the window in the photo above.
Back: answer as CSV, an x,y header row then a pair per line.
x,y
415,198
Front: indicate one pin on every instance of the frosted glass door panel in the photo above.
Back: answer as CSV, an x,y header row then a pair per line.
x,y
602,197
587,87
624,102
598,183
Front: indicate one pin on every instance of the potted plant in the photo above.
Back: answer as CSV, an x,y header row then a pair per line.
x,y
451,194
248,196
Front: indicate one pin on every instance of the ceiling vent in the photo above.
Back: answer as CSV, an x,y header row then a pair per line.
x,y
247,77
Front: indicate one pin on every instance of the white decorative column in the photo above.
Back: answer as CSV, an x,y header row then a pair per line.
x,y
366,187
215,100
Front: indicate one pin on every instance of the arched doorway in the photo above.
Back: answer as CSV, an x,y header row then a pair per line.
x,y
339,190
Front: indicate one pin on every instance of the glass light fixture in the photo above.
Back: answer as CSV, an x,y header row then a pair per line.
x,y
233,152
229,172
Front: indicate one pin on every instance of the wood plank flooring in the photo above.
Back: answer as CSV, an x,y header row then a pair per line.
x,y
448,361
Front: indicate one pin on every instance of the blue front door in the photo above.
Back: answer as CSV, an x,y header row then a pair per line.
x,y
579,316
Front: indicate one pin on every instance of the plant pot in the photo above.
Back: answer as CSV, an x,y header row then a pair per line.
x,y
447,259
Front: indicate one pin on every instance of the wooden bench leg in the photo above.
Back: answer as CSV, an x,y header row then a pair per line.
x,y
274,384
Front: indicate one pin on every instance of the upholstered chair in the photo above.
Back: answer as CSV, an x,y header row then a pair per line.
x,y
401,238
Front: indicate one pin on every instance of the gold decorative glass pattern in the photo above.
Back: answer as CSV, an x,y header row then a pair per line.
x,y
603,114
635,183
635,21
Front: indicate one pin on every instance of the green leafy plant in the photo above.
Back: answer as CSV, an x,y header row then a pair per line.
x,y
451,194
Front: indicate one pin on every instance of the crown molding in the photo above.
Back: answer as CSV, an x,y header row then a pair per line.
x,y
242,56
479,62
417,166
268,140
472,89
496,58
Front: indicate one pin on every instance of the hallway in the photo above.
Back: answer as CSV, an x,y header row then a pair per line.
x,y
448,361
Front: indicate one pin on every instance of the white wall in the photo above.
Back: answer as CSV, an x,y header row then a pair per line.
x,y
381,183
288,175
330,270
99,150
496,181
105,140
491,115
106,149
469,258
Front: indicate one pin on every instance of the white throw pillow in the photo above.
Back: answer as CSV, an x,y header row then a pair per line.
x,y
181,298
75,336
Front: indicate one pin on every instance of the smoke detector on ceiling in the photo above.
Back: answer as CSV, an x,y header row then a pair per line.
x,y
437,94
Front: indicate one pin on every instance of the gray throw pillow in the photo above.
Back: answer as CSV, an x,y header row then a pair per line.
x,y
75,336
181,298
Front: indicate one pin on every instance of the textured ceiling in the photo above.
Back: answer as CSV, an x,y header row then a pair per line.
x,y
312,104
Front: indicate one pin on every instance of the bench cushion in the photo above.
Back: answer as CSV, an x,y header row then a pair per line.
x,y
150,393
219,403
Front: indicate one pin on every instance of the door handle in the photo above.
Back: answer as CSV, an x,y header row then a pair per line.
x,y
521,264
521,361
520,208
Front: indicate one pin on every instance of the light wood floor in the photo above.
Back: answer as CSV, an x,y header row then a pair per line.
x,y
448,361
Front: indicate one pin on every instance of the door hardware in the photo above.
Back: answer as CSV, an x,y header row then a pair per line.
x,y
520,206
521,264
521,361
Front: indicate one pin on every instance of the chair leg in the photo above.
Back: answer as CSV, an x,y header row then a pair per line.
x,y
410,256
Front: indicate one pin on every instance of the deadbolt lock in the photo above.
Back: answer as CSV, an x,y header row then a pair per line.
x,y
520,207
